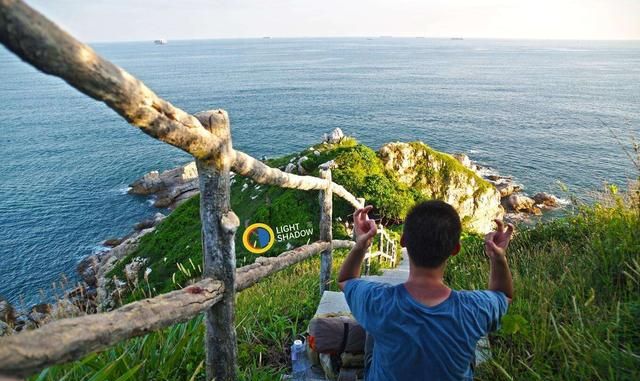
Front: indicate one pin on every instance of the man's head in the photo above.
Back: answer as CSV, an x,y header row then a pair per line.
x,y
431,233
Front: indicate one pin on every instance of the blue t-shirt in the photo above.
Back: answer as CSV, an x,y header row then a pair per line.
x,y
417,342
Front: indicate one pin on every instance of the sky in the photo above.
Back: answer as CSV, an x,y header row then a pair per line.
x,y
137,20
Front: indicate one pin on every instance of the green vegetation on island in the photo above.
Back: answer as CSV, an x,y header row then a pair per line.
x,y
173,252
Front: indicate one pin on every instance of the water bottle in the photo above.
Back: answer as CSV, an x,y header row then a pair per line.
x,y
299,361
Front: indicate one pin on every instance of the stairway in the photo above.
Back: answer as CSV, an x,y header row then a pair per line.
x,y
393,276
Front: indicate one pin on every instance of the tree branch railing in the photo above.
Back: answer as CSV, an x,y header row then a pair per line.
x,y
206,136
70,339
43,44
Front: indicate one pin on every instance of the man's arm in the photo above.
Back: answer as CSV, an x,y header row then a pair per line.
x,y
365,229
496,244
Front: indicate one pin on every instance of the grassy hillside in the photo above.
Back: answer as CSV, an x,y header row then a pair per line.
x,y
575,315
174,249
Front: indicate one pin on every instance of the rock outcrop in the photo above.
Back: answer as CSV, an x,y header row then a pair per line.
x,y
132,269
96,289
106,262
546,200
521,203
439,175
7,312
517,205
335,136
170,188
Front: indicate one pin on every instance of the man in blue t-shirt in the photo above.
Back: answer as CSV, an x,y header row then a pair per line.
x,y
422,329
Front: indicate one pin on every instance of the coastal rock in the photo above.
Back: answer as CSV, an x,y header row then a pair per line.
x,y
40,314
132,269
170,187
172,197
519,203
65,308
546,199
463,159
148,184
289,168
5,329
506,189
301,170
154,181
7,312
439,175
149,223
101,264
335,136
87,269
112,242
26,324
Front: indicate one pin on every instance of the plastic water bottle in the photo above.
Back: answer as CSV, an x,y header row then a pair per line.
x,y
299,361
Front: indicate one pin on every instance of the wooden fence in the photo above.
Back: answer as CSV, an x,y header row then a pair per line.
x,y
206,136
386,249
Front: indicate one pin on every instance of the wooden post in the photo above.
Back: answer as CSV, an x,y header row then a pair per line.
x,y
326,234
382,243
219,225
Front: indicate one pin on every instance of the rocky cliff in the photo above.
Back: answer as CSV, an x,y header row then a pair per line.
x,y
437,175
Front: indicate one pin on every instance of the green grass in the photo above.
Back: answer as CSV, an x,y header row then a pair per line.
x,y
173,250
574,317
577,305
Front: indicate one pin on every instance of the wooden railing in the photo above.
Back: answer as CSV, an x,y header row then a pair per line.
x,y
206,136
385,249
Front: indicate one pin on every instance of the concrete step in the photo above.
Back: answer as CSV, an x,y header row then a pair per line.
x,y
333,302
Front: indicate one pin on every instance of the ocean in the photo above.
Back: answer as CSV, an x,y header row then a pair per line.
x,y
542,111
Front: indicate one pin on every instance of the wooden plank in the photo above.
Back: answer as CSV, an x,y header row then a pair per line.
x,y
261,173
70,339
67,340
219,225
47,47
247,276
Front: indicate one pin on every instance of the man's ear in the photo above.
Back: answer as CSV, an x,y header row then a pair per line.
x,y
456,249
402,240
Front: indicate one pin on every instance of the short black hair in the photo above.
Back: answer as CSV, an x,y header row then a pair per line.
x,y
431,232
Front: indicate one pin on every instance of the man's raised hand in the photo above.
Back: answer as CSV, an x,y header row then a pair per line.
x,y
365,228
496,243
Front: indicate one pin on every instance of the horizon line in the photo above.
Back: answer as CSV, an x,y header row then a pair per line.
x,y
375,37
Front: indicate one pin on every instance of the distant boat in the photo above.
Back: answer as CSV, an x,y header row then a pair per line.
x,y
457,38
161,41
266,37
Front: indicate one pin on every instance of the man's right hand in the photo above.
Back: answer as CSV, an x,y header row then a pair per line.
x,y
496,243
365,228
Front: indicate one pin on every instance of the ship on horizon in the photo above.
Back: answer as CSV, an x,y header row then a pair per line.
x,y
161,41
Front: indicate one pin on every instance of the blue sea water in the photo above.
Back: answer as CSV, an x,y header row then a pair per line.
x,y
543,111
